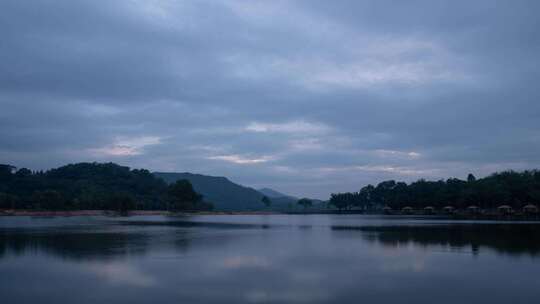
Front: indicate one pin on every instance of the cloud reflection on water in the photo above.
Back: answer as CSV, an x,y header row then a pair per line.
x,y
242,261
121,274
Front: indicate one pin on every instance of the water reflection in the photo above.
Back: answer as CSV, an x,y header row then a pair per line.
x,y
116,273
191,223
72,245
510,239
109,240
296,259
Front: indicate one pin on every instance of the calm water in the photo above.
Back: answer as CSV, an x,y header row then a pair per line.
x,y
267,259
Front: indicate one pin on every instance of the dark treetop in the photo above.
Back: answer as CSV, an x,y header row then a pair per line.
x,y
103,186
515,189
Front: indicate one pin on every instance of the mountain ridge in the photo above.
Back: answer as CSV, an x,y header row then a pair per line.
x,y
271,193
219,190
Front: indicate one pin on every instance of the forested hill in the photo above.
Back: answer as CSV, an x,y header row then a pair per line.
x,y
104,186
111,186
271,193
515,189
224,194
108,186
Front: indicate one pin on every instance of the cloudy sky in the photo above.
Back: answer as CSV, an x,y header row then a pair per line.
x,y
306,97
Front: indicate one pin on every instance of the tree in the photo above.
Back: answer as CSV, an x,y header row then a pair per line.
x,y
383,192
23,172
7,201
343,200
182,196
266,201
205,206
508,187
49,200
6,172
305,202
108,186
122,202
400,197
365,197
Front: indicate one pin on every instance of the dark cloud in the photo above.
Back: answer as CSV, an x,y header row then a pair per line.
x,y
309,97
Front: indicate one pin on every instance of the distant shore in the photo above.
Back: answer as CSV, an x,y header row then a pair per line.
x,y
47,213
69,213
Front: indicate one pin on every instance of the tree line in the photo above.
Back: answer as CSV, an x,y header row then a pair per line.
x,y
512,188
94,186
304,202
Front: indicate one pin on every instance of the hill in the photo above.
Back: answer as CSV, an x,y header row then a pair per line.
x,y
271,193
223,193
81,186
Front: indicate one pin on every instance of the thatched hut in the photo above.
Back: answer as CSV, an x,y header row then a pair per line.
x,y
429,210
505,209
407,210
530,209
473,209
449,209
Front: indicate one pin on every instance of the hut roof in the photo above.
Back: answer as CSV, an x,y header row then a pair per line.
x,y
530,206
429,207
387,208
472,207
407,208
504,207
448,207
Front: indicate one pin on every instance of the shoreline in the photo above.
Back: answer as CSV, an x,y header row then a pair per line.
x,y
72,213
68,213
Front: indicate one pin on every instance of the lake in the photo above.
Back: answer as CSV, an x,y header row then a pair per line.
x,y
267,259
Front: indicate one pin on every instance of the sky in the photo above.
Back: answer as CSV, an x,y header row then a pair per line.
x,y
305,97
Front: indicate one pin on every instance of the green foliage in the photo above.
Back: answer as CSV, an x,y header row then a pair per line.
x,y
48,199
5,174
266,201
305,202
181,196
343,200
97,186
225,194
121,202
508,187
7,201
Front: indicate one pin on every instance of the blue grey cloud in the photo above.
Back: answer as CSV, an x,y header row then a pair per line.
x,y
308,97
